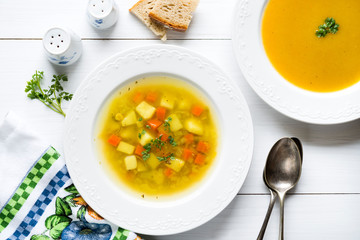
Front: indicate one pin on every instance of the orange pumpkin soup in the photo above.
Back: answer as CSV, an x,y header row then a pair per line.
x,y
320,64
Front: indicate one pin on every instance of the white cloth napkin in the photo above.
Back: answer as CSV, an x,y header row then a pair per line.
x,y
37,198
19,148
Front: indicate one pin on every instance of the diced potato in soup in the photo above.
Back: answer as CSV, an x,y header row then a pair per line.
x,y
125,147
152,161
167,101
154,141
129,119
130,162
145,110
145,137
194,126
175,164
175,123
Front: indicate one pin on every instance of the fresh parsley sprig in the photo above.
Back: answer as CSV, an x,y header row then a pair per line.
x,y
166,158
167,124
51,97
330,26
172,141
146,154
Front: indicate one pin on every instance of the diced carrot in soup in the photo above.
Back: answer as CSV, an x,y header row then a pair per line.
x,y
203,147
114,140
163,136
197,110
189,138
138,97
187,154
199,159
168,172
154,123
139,150
160,113
151,97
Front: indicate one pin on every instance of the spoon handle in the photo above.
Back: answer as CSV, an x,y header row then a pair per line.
x,y
281,230
266,220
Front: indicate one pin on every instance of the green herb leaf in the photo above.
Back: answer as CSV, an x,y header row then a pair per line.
x,y
39,237
69,199
54,220
167,124
147,126
71,189
56,231
81,212
62,207
166,158
140,119
172,141
142,133
330,26
146,154
158,143
51,97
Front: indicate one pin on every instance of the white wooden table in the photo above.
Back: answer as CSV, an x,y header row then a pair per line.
x,y
324,205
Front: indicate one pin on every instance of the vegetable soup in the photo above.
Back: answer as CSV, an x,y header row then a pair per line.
x,y
158,136
314,44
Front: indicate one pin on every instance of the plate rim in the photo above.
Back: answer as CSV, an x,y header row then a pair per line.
x,y
230,81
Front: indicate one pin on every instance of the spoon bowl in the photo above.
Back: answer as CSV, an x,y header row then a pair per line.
x,y
283,166
299,145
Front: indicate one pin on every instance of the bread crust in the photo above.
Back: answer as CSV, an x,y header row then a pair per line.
x,y
180,28
135,5
139,11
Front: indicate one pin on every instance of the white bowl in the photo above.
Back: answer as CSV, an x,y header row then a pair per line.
x,y
173,215
311,107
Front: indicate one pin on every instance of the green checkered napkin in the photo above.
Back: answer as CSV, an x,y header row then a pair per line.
x,y
37,198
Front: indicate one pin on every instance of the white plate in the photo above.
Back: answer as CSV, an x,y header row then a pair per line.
x,y
218,188
319,108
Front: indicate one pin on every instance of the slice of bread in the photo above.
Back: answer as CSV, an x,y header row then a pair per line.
x,y
175,14
141,10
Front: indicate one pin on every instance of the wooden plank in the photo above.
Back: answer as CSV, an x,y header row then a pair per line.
x,y
331,153
31,19
330,217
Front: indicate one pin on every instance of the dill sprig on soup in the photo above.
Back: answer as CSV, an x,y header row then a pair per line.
x,y
159,136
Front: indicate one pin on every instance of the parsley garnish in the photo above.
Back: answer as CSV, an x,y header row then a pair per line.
x,y
142,133
158,143
51,97
167,124
166,158
172,141
147,126
330,26
140,119
146,154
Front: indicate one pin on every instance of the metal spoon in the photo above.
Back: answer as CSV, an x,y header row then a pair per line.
x,y
299,145
273,194
268,213
282,171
